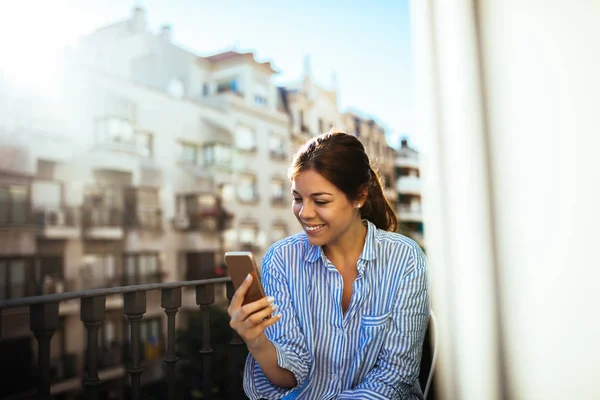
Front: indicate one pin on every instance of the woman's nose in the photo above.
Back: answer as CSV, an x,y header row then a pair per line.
x,y
306,211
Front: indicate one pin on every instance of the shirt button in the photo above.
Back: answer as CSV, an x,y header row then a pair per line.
x,y
334,377
340,332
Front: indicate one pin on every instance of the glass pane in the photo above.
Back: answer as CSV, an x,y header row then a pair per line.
x,y
109,266
154,331
276,189
109,331
46,194
4,205
244,138
18,195
144,144
17,278
130,268
3,280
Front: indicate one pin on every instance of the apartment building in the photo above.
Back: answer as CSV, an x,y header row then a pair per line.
x,y
408,185
164,160
312,108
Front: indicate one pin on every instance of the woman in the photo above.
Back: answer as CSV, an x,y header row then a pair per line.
x,y
350,295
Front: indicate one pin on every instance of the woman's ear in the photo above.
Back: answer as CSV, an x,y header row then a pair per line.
x,y
362,197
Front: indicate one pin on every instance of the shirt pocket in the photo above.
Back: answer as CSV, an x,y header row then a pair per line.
x,y
372,331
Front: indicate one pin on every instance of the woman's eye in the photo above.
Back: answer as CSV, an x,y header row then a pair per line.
x,y
321,203
297,200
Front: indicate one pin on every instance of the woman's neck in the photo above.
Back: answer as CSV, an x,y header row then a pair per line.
x,y
349,246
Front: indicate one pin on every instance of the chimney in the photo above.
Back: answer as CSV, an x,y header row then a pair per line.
x,y
404,143
138,20
166,32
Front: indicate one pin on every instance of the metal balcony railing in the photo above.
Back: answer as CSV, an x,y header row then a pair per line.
x,y
44,321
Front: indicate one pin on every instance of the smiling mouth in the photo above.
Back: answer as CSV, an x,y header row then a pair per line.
x,y
314,228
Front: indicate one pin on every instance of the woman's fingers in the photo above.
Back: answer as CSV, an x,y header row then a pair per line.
x,y
251,308
258,316
271,321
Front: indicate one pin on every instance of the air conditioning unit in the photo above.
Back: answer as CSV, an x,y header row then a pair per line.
x,y
181,222
54,217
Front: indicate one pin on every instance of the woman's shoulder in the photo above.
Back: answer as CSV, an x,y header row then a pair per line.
x,y
396,238
289,246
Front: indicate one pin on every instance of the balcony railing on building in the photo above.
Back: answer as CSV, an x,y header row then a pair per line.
x,y
51,372
102,222
58,223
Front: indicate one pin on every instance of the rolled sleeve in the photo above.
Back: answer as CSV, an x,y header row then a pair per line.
x,y
286,336
396,372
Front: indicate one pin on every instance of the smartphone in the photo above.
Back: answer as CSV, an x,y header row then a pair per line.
x,y
240,264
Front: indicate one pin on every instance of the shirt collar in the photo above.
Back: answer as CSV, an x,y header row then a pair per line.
x,y
369,252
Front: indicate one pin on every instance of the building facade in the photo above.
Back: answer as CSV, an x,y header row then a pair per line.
x,y
408,185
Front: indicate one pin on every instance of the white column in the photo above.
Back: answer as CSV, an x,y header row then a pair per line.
x,y
509,98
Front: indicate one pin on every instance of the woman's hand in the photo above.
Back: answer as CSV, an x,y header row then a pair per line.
x,y
250,321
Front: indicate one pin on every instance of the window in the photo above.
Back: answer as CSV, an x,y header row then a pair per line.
x,y
114,130
230,85
248,233
356,127
279,230
217,154
278,191
14,278
14,204
247,188
150,336
103,206
176,88
202,211
303,128
144,144
148,208
97,271
276,146
46,194
188,153
205,89
141,269
260,94
245,139
200,265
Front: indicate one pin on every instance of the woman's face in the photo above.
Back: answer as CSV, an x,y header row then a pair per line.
x,y
323,210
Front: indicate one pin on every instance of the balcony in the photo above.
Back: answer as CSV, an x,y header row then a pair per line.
x,y
102,223
280,201
410,213
145,365
409,185
57,223
407,162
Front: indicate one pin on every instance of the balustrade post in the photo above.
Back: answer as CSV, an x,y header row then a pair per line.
x,y
43,321
93,310
135,308
205,297
171,301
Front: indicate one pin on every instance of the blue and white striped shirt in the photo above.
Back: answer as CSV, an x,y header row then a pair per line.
x,y
373,350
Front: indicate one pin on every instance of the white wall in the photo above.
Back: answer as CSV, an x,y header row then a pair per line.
x,y
508,95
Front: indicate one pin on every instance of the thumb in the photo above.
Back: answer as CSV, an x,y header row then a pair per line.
x,y
240,293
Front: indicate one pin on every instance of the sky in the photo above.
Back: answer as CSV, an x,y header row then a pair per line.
x,y
367,44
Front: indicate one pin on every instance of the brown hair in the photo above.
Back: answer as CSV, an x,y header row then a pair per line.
x,y
341,159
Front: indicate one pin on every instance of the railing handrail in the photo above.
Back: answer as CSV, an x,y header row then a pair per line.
x,y
58,297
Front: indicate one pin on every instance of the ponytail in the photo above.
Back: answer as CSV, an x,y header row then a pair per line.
x,y
377,207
